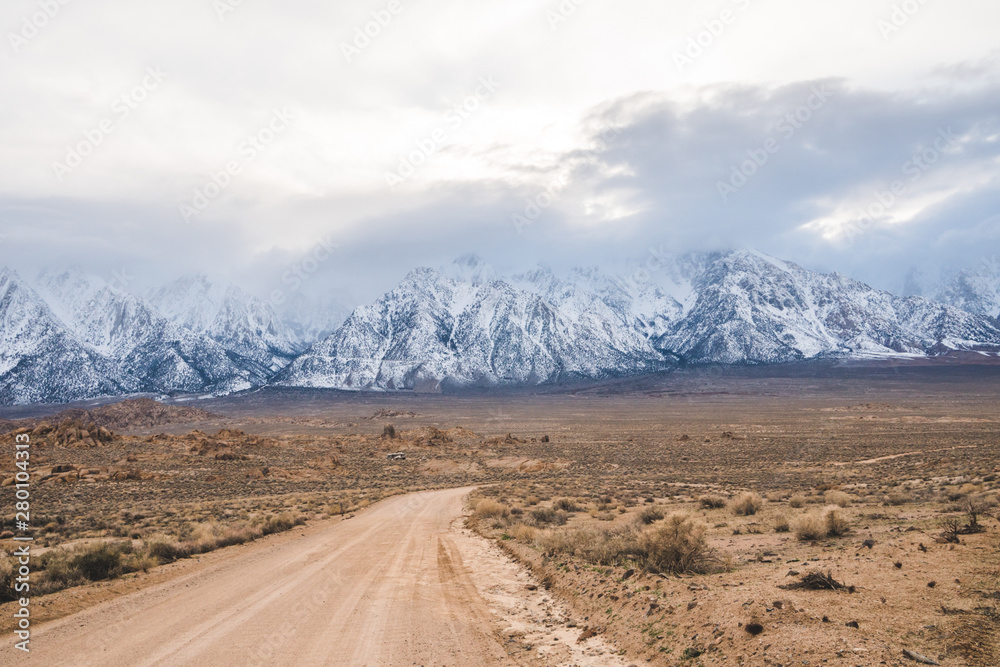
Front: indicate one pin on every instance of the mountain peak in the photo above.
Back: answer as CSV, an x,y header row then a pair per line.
x,y
470,268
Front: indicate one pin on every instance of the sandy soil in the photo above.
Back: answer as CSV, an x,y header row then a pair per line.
x,y
391,586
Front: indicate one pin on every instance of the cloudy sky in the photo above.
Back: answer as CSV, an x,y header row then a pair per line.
x,y
239,136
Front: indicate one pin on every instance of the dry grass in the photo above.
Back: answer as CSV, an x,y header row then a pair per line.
x,y
798,444
566,505
797,501
677,544
523,533
712,502
650,515
73,565
897,498
838,498
746,504
487,508
830,522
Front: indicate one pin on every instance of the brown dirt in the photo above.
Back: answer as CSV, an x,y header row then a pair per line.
x,y
907,448
125,415
391,586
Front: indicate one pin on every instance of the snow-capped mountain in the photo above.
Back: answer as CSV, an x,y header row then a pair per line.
x,y
631,301
70,336
737,307
432,328
40,359
470,269
976,290
313,317
752,308
148,352
245,326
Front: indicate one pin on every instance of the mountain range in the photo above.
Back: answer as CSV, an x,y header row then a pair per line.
x,y
65,335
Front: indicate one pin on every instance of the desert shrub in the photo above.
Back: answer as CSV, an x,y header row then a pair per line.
x,y
61,568
553,542
969,489
897,498
8,573
962,492
746,504
611,546
810,527
838,498
566,505
549,515
781,524
236,535
711,502
836,523
103,561
135,562
678,544
650,515
487,508
164,550
797,501
954,527
523,533
278,524
600,546
831,522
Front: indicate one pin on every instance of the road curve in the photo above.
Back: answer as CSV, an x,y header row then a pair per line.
x,y
386,587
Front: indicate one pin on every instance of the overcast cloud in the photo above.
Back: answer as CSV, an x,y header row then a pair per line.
x,y
238,137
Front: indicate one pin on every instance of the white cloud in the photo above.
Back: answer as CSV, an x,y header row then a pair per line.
x,y
557,84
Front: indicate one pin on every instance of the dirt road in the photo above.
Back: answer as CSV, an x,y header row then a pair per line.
x,y
387,587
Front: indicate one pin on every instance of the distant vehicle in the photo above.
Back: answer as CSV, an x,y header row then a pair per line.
x,y
396,456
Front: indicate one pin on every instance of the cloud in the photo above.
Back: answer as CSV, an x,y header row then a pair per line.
x,y
593,136
759,166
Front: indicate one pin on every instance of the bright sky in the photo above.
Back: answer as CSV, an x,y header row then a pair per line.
x,y
240,132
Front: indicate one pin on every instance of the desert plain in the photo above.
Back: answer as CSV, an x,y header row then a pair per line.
x,y
826,514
